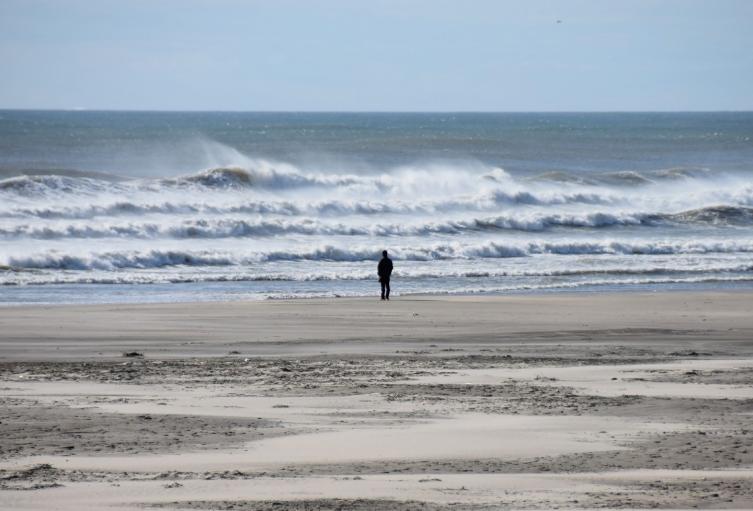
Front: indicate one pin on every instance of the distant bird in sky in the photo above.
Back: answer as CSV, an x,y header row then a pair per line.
x,y
559,21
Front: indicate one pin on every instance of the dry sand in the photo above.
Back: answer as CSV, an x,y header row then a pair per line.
x,y
574,401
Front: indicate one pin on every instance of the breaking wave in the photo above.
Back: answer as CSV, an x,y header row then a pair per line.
x,y
221,227
35,277
277,176
41,185
265,175
715,215
281,189
440,222
111,260
239,228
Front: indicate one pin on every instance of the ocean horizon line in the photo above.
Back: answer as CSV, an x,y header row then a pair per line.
x,y
375,112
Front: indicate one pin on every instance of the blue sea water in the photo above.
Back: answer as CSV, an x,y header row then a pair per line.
x,y
154,206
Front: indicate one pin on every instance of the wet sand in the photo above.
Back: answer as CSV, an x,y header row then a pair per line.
x,y
577,401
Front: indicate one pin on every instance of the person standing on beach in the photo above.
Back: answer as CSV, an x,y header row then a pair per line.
x,y
385,271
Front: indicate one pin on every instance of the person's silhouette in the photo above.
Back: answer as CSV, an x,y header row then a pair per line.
x,y
385,271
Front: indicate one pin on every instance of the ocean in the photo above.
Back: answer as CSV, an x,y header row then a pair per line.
x,y
118,207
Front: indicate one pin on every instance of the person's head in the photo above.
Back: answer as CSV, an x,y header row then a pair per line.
x,y
384,253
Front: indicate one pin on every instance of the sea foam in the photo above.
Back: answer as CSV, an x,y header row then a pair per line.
x,y
269,221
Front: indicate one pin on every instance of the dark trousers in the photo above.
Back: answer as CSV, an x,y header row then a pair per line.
x,y
385,288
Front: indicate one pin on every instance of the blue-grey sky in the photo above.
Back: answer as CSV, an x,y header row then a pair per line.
x,y
373,55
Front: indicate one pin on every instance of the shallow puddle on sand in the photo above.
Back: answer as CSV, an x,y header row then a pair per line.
x,y
609,380
545,490
198,400
440,488
471,436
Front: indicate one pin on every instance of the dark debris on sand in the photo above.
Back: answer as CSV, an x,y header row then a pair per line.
x,y
322,505
37,477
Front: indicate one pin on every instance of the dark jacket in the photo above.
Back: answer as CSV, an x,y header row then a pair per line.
x,y
385,268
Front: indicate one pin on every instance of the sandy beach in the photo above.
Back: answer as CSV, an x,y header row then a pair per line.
x,y
376,256
572,401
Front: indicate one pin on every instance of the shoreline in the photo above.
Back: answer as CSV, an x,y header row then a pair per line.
x,y
712,285
151,293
